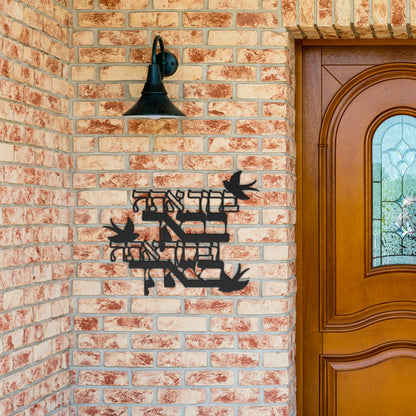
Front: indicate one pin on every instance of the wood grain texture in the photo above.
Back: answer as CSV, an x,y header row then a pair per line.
x,y
357,324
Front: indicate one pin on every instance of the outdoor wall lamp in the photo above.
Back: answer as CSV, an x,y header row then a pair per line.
x,y
154,102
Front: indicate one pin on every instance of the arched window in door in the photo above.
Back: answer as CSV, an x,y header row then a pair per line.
x,y
394,191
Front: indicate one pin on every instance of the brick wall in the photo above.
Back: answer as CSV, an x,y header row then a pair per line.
x,y
69,163
35,215
195,351
350,19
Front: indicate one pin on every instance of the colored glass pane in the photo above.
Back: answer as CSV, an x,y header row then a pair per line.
x,y
394,192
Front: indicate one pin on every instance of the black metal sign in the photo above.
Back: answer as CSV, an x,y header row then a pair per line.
x,y
188,245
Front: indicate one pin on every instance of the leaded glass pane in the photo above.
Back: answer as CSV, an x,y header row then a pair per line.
x,y
394,192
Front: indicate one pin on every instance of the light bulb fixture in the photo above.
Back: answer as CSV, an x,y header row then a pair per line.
x,y
154,102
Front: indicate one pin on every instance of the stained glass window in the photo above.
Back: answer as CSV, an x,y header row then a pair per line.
x,y
394,191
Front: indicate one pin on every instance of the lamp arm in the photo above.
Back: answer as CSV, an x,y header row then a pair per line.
x,y
154,47
168,64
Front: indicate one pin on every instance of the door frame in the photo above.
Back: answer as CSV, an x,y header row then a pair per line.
x,y
300,302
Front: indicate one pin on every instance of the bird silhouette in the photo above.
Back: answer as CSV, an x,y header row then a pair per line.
x,y
228,284
122,235
234,186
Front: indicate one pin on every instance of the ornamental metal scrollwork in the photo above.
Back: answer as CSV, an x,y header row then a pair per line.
x,y
193,258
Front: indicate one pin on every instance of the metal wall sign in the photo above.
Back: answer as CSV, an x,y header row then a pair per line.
x,y
192,225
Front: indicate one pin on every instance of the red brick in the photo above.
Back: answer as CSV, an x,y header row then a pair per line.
x,y
124,180
156,378
103,378
260,127
124,144
263,411
128,359
100,126
207,91
154,19
209,411
263,377
128,396
232,109
263,342
234,359
151,306
86,396
208,306
154,162
265,235
121,287
276,323
82,38
257,20
235,395
82,180
102,19
181,324
102,55
106,91
112,108
159,411
173,4
236,324
202,55
231,73
262,307
182,359
179,144
156,341
146,127
182,37
278,145
128,323
191,162
85,216
101,270
262,56
181,396
232,144
234,4
103,305
205,127
191,108
178,180
277,74
209,378
276,395
86,358
101,341
102,410
398,14
122,4
102,198
207,19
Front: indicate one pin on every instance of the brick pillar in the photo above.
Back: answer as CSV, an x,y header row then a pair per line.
x,y
35,208
194,351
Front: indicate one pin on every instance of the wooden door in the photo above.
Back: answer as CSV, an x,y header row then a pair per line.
x,y
356,345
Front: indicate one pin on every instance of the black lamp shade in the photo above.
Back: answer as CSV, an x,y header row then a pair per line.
x,y
154,101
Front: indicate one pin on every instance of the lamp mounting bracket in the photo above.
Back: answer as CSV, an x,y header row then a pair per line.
x,y
169,65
